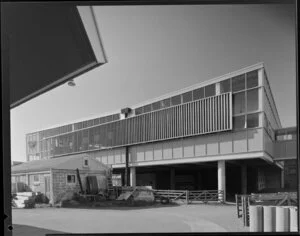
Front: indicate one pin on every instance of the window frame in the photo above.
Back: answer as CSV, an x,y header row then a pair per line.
x,y
67,181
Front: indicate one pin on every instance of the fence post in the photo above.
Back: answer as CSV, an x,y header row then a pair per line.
x,y
187,197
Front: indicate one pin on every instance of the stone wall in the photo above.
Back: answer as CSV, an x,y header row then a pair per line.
x,y
61,187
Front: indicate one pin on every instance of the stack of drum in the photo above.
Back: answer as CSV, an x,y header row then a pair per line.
x,y
273,218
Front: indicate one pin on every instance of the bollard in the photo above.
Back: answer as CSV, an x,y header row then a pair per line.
x,y
269,218
282,219
293,219
256,218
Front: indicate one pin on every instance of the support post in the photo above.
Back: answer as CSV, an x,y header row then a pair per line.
x,y
282,178
244,179
222,180
132,176
172,178
126,180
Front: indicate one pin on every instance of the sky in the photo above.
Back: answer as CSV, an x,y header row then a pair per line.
x,y
154,50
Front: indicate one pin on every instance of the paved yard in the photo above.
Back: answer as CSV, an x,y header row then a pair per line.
x,y
182,218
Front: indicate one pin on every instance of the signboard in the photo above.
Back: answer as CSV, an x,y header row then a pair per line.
x,y
117,180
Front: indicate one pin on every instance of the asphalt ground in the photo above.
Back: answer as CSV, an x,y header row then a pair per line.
x,y
179,218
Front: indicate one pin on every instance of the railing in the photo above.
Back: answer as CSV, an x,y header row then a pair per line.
x,y
172,195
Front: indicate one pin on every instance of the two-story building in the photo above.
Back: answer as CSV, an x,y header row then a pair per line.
x,y
218,134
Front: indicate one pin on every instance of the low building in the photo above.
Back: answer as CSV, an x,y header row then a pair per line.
x,y
57,176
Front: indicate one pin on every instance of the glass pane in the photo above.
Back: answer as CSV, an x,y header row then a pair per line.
x,y
252,120
187,97
252,100
225,86
166,103
238,83
239,122
109,118
176,100
252,79
198,93
210,90
102,120
239,103
147,108
156,106
138,111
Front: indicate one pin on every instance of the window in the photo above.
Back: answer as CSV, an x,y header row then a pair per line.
x,y
187,97
176,100
198,93
147,108
239,122
239,103
238,83
36,178
210,90
252,120
225,86
252,100
85,162
71,179
138,111
252,79
103,120
109,118
156,106
166,103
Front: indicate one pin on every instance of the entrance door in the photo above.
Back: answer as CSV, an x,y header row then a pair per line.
x,y
47,186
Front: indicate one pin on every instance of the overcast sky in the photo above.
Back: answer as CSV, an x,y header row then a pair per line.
x,y
154,50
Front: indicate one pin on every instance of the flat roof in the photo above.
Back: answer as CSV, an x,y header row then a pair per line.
x,y
168,95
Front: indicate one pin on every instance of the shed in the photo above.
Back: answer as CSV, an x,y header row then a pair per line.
x,y
57,176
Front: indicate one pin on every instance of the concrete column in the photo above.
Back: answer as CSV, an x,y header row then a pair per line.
x,y
218,89
222,178
244,179
132,177
282,178
172,178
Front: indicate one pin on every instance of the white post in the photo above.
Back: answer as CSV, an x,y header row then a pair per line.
x,y
222,179
132,177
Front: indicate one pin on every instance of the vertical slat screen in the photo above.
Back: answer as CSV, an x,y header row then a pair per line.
x,y
202,116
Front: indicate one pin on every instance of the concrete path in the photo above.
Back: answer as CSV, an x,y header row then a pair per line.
x,y
182,218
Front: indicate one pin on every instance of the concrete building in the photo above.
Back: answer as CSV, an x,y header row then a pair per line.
x,y
55,177
220,134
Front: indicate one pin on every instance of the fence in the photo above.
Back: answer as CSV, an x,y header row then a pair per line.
x,y
183,195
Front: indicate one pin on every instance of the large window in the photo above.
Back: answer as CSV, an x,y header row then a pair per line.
x,y
198,93
187,97
239,103
210,90
252,100
166,103
147,108
239,122
225,86
156,105
176,100
252,79
253,120
238,83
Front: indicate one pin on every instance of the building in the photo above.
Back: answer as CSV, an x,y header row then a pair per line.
x,y
55,177
220,134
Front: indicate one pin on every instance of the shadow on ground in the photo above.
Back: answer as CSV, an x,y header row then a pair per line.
x,y
119,205
26,230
